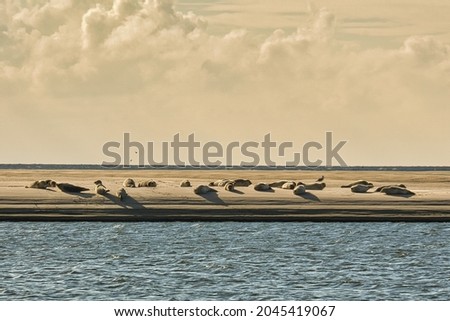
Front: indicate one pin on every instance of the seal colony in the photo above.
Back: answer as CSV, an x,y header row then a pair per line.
x,y
298,188
75,196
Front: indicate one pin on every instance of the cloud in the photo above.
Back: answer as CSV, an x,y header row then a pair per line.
x,y
426,49
66,59
72,48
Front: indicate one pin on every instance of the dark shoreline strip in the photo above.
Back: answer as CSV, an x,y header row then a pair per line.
x,y
247,215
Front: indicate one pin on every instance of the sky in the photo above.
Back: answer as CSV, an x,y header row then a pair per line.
x,y
75,75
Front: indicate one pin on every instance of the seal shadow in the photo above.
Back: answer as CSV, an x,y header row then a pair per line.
x,y
132,202
128,202
237,192
400,195
310,196
213,198
82,195
114,199
267,191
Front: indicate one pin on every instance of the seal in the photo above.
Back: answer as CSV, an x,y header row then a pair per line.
x,y
100,188
129,182
204,189
278,183
242,182
51,183
289,185
42,184
220,182
381,187
69,188
263,187
121,193
317,186
356,183
149,183
229,186
299,190
360,188
185,183
396,190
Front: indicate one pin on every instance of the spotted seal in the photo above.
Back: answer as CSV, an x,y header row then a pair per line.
x,y
149,183
220,182
396,190
242,182
360,188
100,188
229,186
289,185
299,190
381,187
317,186
204,189
278,183
42,184
356,183
185,183
262,187
129,182
121,193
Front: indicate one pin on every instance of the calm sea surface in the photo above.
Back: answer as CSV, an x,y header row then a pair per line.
x,y
224,261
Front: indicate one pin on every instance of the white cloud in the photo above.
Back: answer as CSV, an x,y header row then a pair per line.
x,y
105,59
426,49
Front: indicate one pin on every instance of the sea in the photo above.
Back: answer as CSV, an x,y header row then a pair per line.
x,y
224,261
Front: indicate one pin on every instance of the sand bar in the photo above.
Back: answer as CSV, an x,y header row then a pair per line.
x,y
169,202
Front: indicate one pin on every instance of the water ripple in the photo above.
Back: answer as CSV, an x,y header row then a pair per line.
x,y
224,261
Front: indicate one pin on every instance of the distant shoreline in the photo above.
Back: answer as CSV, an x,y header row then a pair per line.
x,y
220,168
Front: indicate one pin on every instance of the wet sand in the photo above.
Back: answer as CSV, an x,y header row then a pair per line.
x,y
169,202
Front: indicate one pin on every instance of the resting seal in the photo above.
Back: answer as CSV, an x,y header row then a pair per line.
x,y
220,182
262,187
299,190
42,184
129,182
229,186
288,185
356,183
381,187
360,188
149,183
121,193
185,183
100,188
278,183
242,182
396,190
318,186
203,189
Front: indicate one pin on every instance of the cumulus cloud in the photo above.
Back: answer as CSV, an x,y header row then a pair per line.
x,y
55,51
61,54
426,49
62,46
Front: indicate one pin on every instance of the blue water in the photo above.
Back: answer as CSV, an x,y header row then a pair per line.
x,y
224,261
